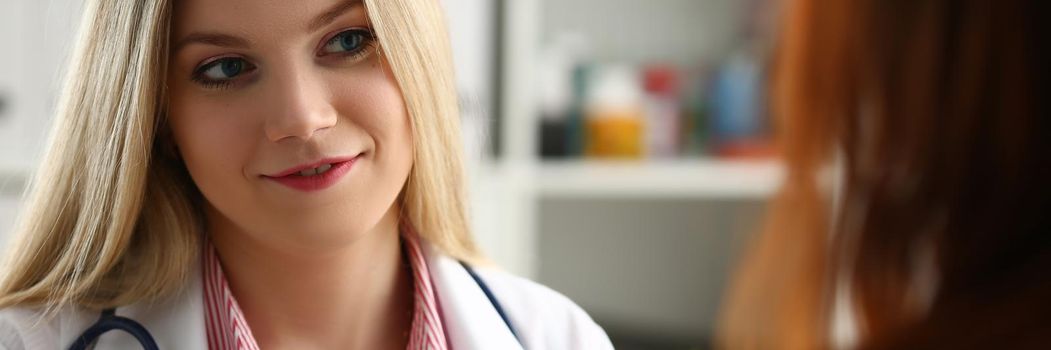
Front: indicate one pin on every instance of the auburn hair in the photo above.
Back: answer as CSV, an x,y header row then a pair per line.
x,y
916,135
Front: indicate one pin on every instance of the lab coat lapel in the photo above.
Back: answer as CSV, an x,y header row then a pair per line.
x,y
470,320
176,323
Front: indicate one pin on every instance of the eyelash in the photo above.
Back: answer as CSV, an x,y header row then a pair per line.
x,y
368,42
199,78
366,48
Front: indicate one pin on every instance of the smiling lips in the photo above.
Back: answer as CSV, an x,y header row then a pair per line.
x,y
315,176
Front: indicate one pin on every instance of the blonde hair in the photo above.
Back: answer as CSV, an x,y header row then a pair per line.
x,y
413,36
112,218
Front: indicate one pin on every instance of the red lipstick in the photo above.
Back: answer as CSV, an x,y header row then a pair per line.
x,y
319,175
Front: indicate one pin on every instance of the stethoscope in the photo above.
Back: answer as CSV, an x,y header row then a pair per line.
x,y
109,321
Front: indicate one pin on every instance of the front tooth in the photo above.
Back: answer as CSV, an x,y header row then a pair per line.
x,y
323,168
308,172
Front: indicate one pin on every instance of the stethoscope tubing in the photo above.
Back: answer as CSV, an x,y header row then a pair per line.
x,y
110,321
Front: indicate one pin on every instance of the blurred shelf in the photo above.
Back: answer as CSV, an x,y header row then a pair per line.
x,y
685,179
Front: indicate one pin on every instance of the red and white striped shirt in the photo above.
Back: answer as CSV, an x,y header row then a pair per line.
x,y
227,329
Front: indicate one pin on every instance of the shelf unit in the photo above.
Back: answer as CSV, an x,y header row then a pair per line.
x,y
681,179
530,179
559,222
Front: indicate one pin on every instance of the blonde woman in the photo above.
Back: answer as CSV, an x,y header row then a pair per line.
x,y
263,174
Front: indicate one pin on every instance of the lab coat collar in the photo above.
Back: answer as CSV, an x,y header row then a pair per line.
x,y
470,320
177,321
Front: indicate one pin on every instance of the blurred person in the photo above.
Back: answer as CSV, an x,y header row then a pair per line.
x,y
245,174
915,210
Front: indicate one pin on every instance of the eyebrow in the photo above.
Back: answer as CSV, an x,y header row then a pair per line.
x,y
216,39
331,14
226,40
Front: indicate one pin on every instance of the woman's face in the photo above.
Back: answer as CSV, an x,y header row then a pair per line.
x,y
287,118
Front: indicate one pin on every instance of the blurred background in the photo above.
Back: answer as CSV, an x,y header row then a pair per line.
x,y
619,150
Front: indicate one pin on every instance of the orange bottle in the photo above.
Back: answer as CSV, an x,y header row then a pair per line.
x,y
614,119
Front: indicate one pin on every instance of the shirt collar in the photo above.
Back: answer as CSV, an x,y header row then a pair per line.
x,y
469,320
227,330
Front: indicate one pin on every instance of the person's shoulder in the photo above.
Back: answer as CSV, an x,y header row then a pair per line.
x,y
33,328
543,318
18,325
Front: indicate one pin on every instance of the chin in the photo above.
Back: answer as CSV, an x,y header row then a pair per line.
x,y
327,231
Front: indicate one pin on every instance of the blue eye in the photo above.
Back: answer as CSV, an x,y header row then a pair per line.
x,y
349,42
224,69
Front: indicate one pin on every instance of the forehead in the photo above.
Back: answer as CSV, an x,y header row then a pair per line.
x,y
258,16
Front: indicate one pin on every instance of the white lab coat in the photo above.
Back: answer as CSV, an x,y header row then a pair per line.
x,y
543,318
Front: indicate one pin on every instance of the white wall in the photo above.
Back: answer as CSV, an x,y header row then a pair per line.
x,y
11,65
39,34
35,37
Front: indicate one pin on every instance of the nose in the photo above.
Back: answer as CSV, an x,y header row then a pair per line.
x,y
299,108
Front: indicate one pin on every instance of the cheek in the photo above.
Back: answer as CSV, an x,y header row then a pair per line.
x,y
211,142
381,113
